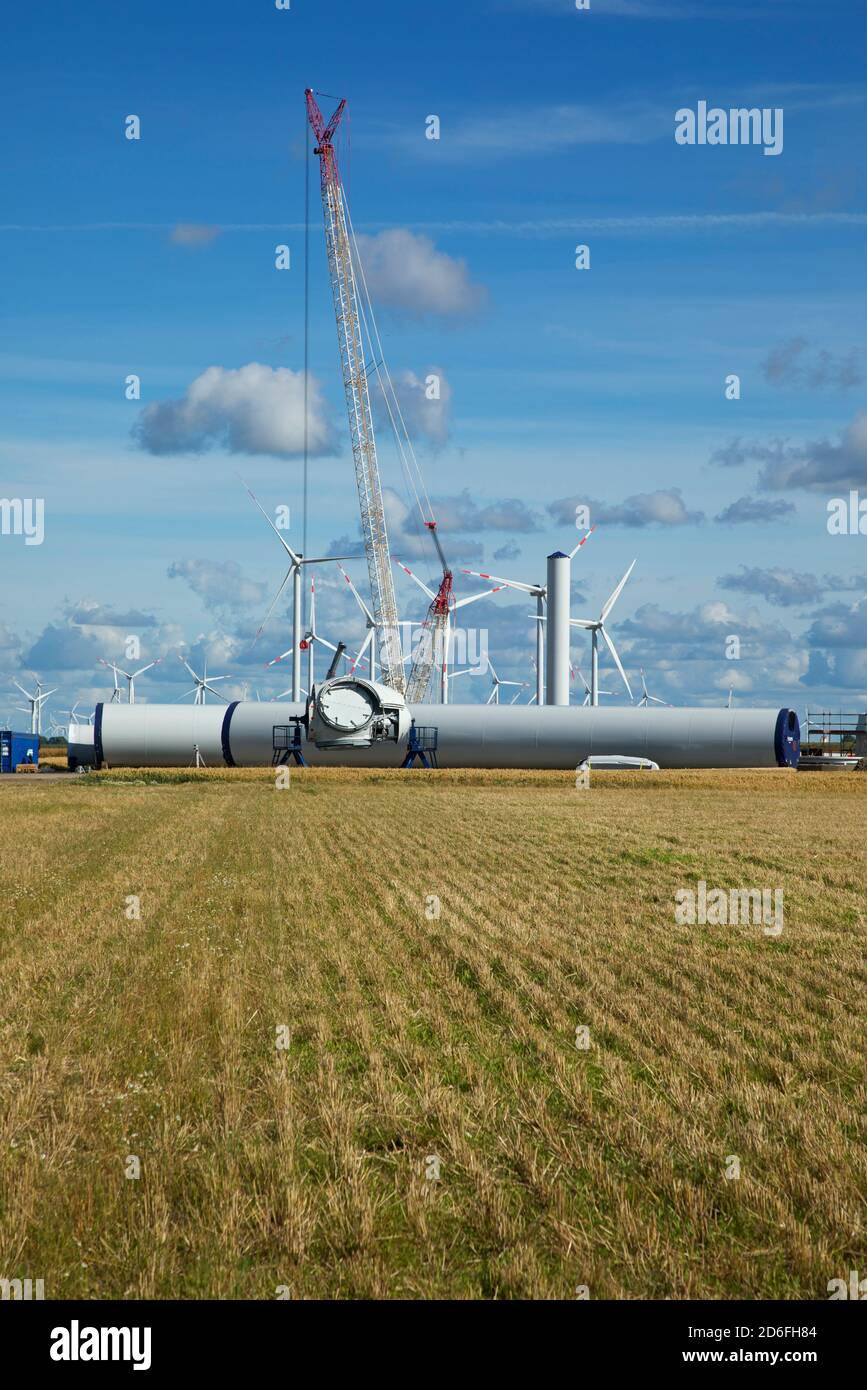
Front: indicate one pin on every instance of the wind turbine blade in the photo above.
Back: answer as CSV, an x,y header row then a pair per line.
x,y
358,599
473,597
219,694
617,662
430,593
587,623
580,673
363,648
509,583
189,667
328,559
23,691
289,551
194,691
617,592
584,538
142,669
271,609
282,657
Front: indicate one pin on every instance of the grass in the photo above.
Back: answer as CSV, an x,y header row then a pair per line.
x,y
413,1036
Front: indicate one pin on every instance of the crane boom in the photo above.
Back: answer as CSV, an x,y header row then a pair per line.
x,y
434,644
343,288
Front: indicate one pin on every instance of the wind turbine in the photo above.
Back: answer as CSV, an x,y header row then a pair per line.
x,y
202,684
494,697
369,643
648,699
35,702
587,691
597,625
459,603
73,717
308,643
293,572
370,621
540,593
129,676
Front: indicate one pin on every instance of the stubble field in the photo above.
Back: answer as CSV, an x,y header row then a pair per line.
x,y
332,1085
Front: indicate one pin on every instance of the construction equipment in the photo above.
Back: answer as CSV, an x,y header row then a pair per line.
x,y
436,631
355,383
434,642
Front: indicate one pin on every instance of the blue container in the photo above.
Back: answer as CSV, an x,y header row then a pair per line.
x,y
17,748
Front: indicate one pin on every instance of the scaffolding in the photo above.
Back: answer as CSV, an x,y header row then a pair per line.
x,y
833,738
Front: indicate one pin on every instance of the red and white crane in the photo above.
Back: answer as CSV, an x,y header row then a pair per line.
x,y
355,384
352,327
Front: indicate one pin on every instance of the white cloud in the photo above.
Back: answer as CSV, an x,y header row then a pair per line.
x,y
748,510
784,587
247,410
219,583
816,466
405,272
517,132
665,507
193,235
424,418
796,364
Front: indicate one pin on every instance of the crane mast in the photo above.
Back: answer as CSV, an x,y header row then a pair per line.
x,y
434,644
343,288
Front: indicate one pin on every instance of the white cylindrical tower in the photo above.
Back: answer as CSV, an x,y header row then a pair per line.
x,y
557,663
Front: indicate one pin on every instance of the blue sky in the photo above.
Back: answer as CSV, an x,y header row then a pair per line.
x,y
605,386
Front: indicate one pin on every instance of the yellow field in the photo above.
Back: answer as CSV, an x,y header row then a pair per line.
x,y
417,1043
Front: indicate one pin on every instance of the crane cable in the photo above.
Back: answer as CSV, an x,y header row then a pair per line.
x,y
411,467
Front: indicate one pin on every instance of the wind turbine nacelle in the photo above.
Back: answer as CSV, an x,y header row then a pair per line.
x,y
350,712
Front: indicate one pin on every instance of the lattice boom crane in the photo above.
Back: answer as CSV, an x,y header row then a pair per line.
x,y
349,336
434,644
